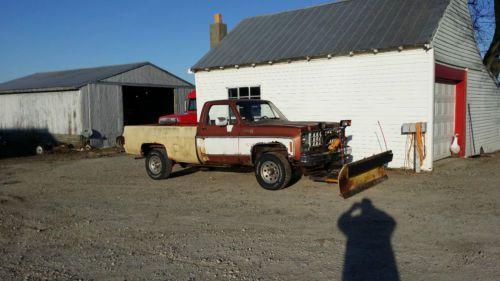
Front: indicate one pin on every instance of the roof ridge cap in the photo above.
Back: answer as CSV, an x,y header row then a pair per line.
x,y
93,67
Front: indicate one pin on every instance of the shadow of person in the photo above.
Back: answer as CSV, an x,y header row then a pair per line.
x,y
368,254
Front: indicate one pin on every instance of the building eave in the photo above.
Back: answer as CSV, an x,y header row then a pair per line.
x,y
40,90
426,46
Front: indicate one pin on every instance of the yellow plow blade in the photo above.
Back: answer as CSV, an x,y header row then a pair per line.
x,y
357,176
350,186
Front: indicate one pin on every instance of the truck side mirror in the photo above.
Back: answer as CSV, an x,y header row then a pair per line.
x,y
221,121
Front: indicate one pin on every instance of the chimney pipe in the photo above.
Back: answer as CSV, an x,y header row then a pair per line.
x,y
218,30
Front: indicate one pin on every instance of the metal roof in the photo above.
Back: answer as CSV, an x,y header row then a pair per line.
x,y
336,28
68,79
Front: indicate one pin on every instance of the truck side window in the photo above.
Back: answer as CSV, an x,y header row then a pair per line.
x,y
221,110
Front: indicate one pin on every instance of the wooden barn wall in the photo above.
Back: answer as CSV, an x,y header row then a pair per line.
x,y
455,44
103,113
57,113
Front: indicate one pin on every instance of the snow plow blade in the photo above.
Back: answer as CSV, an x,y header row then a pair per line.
x,y
358,176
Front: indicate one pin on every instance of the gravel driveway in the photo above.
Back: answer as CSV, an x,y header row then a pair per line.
x,y
65,217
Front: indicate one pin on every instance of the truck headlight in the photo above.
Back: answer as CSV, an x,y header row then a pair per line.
x,y
167,120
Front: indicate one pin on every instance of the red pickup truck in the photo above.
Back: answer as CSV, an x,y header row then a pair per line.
x,y
255,133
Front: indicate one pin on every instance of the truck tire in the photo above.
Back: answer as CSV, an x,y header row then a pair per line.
x,y
273,171
158,165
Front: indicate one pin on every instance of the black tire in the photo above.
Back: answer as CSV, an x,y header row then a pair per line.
x,y
273,171
120,141
158,165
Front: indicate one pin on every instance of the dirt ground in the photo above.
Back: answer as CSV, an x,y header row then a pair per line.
x,y
101,218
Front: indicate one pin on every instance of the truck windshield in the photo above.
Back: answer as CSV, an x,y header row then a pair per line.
x,y
191,105
253,111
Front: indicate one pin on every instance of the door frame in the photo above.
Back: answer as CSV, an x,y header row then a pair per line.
x,y
459,76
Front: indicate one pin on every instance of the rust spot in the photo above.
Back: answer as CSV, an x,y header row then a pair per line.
x,y
203,154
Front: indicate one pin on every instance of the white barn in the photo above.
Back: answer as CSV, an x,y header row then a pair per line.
x,y
56,107
387,61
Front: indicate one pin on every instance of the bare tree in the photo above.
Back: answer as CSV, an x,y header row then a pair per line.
x,y
485,15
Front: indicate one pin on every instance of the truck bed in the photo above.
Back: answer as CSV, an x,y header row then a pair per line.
x,y
179,141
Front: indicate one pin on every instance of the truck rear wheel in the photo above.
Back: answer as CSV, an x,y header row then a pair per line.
x,y
158,165
273,171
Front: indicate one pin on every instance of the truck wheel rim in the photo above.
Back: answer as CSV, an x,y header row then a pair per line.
x,y
39,150
270,172
155,164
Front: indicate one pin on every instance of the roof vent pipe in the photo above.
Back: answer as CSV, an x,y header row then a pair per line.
x,y
218,30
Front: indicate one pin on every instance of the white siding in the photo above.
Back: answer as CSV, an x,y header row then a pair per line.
x,y
393,88
455,44
57,112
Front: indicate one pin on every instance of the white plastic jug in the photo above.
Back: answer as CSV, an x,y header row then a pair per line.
x,y
455,148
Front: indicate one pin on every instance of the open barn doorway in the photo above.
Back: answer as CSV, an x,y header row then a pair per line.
x,y
143,105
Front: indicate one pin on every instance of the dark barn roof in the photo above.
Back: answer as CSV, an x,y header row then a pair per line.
x,y
336,28
67,79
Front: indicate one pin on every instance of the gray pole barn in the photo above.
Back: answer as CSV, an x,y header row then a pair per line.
x,y
62,104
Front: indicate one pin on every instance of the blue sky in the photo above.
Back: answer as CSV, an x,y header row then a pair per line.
x,y
53,35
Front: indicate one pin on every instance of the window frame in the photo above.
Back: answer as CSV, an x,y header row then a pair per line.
x,y
231,113
249,97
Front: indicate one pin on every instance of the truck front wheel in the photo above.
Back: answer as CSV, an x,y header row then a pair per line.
x,y
273,171
158,165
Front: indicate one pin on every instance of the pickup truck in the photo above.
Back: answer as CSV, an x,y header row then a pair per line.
x,y
255,133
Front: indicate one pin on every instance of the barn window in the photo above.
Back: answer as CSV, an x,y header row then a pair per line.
x,y
252,93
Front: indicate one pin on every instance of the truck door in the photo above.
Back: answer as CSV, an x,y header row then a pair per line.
x,y
217,138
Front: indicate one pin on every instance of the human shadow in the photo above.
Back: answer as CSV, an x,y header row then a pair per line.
x,y
368,254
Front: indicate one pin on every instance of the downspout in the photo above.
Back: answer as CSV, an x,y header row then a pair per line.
x,y
430,125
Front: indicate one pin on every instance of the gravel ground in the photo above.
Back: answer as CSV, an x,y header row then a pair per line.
x,y
67,217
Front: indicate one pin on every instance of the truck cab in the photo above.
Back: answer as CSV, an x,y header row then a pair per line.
x,y
188,118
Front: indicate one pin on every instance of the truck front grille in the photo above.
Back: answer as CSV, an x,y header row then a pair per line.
x,y
316,139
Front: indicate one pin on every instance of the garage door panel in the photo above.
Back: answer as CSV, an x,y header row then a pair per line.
x,y
444,119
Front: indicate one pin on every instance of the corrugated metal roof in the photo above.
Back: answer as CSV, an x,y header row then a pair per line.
x,y
67,79
336,28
